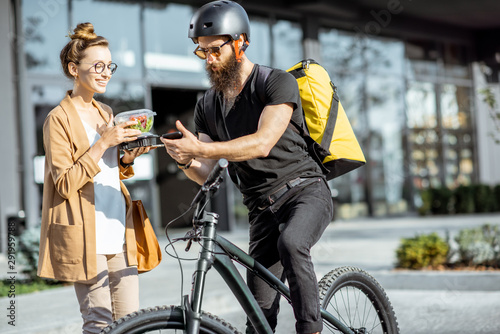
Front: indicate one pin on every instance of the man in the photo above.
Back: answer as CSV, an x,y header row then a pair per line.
x,y
288,199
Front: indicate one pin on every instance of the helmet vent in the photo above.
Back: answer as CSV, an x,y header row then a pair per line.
x,y
207,25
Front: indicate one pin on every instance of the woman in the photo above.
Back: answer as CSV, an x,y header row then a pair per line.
x,y
87,234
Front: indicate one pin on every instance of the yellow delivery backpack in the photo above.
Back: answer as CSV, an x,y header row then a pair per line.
x,y
333,143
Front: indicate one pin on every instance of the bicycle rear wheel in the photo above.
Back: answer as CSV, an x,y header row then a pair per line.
x,y
355,298
166,319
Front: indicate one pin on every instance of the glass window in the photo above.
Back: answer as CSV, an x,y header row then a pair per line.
x,y
340,52
118,22
259,50
169,57
287,44
422,58
385,105
455,106
421,105
369,77
44,98
45,25
455,61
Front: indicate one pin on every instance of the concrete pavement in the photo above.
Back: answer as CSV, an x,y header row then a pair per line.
x,y
424,301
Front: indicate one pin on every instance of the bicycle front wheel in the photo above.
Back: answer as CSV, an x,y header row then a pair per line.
x,y
166,319
355,298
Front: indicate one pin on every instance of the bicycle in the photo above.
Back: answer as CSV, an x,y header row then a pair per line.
x,y
352,301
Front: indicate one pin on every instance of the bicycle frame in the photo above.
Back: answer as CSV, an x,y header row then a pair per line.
x,y
220,253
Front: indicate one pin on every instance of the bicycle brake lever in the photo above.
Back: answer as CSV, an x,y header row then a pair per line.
x,y
188,247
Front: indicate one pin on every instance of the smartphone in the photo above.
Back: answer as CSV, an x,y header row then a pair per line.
x,y
172,135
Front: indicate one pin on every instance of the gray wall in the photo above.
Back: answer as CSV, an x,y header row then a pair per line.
x,y
10,201
488,149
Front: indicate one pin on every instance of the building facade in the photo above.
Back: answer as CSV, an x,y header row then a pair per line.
x,y
408,77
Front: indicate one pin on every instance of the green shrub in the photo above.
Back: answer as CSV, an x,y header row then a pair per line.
x,y
483,198
464,199
496,198
422,251
425,208
479,246
441,200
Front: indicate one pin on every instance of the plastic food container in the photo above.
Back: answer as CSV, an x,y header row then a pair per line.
x,y
144,118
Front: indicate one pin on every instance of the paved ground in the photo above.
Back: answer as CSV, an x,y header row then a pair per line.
x,y
424,302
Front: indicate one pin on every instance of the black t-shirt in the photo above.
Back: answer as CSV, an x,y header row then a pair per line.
x,y
287,160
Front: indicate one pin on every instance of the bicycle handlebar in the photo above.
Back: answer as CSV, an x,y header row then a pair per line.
x,y
216,172
212,179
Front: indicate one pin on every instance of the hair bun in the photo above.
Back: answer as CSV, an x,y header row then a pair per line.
x,y
84,31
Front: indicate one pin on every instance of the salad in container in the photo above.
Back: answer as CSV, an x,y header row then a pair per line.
x,y
144,123
143,117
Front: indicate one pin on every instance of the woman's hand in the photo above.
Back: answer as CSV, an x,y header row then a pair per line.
x,y
130,155
117,134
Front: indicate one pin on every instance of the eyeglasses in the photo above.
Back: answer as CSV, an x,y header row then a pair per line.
x,y
100,66
214,50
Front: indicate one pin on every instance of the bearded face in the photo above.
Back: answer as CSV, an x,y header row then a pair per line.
x,y
226,78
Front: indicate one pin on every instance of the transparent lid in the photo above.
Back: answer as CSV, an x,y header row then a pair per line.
x,y
126,115
143,117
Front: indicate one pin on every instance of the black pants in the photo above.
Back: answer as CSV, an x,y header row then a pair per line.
x,y
281,237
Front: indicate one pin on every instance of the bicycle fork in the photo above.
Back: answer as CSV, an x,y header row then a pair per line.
x,y
192,306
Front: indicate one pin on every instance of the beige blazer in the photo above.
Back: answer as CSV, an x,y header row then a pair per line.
x,y
67,238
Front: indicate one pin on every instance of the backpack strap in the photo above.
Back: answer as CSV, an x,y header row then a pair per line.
x,y
260,82
332,119
209,102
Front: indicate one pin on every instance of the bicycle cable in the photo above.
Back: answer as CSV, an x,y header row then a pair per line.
x,y
171,243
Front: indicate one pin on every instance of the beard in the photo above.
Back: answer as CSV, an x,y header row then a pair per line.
x,y
226,78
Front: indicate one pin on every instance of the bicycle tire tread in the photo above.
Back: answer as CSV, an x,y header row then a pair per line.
x,y
166,308
328,280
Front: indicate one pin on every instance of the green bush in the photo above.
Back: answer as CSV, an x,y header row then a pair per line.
x,y
479,198
496,198
422,251
483,198
464,199
425,208
441,200
479,246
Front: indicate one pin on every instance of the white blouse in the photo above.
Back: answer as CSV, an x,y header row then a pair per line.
x,y
110,207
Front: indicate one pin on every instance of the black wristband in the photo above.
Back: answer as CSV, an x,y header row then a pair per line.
x,y
185,166
124,165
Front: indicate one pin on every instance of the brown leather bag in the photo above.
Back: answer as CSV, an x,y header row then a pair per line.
x,y
148,249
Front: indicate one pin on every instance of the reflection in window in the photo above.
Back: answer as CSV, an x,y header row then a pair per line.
x,y
259,50
45,28
455,106
421,105
455,61
44,98
122,31
287,44
166,49
422,58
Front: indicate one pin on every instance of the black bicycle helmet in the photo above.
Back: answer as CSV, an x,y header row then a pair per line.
x,y
219,18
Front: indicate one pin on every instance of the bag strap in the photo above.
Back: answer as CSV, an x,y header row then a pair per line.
x,y
260,82
332,119
209,102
